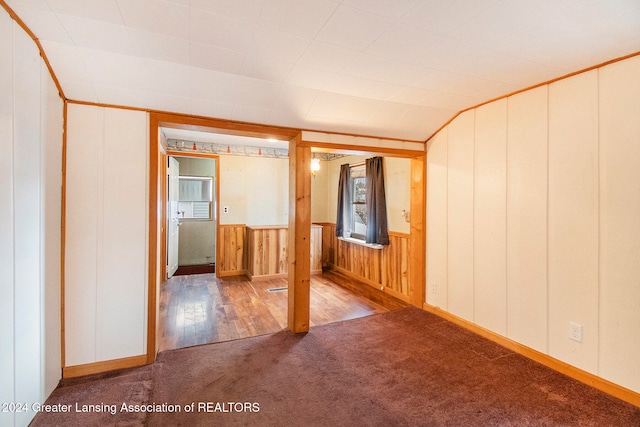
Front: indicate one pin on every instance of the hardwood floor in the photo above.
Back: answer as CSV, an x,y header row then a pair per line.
x,y
201,309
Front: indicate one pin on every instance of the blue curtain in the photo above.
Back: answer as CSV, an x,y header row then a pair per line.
x,y
343,217
377,228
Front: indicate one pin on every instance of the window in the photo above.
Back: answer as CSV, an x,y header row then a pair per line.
x,y
358,226
195,198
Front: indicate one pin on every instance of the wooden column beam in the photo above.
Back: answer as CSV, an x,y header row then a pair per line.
x,y
299,236
417,240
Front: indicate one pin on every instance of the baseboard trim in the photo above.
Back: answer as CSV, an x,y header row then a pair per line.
x,y
267,276
354,284
398,295
354,276
277,275
371,283
578,374
104,366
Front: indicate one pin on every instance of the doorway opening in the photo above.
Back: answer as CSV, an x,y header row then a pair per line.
x,y
191,215
232,230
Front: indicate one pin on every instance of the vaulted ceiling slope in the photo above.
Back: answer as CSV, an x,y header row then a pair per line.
x,y
388,68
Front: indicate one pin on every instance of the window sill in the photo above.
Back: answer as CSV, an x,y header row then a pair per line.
x,y
361,242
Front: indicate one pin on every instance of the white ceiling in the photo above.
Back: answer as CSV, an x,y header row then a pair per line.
x,y
387,68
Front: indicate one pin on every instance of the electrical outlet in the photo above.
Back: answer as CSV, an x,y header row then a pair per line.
x,y
434,287
575,332
225,209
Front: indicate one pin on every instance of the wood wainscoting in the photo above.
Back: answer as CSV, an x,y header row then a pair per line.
x,y
267,251
386,269
231,256
261,251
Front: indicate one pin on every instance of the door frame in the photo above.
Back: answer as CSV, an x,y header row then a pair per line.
x,y
158,153
158,197
216,213
171,269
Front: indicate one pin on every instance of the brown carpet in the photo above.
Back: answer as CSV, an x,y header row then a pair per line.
x,y
406,367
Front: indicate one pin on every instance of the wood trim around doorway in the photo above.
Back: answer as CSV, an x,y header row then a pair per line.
x,y
157,204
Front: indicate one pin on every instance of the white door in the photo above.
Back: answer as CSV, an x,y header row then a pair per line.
x,y
173,226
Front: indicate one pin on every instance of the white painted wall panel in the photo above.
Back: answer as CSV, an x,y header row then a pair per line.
x,y
51,183
106,226
527,218
490,216
7,375
619,342
572,209
437,278
30,173
573,218
84,135
460,215
122,281
26,163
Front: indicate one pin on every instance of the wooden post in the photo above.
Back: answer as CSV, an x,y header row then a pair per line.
x,y
417,240
299,236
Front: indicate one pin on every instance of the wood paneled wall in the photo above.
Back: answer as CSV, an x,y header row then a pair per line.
x,y
386,269
260,251
395,264
231,257
267,250
316,249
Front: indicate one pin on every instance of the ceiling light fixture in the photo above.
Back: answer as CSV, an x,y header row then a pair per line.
x,y
315,166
